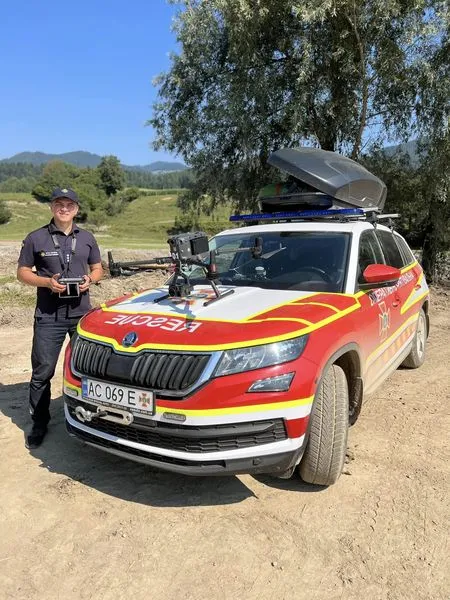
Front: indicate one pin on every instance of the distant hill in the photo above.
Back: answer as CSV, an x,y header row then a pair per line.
x,y
81,158
409,148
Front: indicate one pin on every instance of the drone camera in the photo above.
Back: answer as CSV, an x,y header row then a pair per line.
x,y
187,245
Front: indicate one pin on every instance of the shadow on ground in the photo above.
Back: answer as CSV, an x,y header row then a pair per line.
x,y
60,453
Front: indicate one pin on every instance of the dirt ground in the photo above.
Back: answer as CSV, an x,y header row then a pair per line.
x,y
78,523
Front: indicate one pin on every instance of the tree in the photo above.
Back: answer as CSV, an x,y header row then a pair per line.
x,y
55,174
433,122
112,177
255,76
87,183
436,189
405,192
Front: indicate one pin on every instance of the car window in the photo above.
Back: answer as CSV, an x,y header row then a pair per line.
x,y
405,251
369,253
288,260
390,249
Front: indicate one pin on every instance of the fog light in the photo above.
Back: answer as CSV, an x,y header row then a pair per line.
x,y
280,383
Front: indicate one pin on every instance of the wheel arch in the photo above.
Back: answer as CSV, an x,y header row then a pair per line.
x,y
426,309
349,359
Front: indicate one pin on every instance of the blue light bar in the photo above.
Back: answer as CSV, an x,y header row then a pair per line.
x,y
303,214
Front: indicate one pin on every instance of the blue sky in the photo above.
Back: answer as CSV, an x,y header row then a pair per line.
x,y
78,75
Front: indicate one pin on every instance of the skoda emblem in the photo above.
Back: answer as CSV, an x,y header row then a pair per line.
x,y
129,339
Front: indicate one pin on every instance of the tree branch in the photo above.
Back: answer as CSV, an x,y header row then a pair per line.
x,y
365,84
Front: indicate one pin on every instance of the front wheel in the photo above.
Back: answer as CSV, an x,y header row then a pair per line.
x,y
416,357
324,457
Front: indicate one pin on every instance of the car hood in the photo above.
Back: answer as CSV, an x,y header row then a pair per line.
x,y
249,316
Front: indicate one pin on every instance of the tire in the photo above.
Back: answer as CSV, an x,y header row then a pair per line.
x,y
416,357
323,460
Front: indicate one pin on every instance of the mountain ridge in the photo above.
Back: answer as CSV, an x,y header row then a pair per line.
x,y
82,158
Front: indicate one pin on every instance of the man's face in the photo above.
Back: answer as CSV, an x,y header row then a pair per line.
x,y
64,210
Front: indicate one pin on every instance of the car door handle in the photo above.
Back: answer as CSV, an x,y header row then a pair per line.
x,y
396,302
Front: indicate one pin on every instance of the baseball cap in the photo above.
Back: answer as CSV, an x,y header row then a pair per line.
x,y
64,193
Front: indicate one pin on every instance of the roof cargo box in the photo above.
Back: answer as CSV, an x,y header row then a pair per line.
x,y
321,179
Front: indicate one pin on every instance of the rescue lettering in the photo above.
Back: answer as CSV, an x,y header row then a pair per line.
x,y
381,293
165,323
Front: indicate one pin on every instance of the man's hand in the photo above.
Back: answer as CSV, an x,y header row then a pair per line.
x,y
54,285
87,282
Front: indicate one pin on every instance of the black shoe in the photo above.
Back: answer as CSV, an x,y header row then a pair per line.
x,y
36,436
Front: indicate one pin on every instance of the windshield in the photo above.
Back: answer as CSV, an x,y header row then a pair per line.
x,y
286,260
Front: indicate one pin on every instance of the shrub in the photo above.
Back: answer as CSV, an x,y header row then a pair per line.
x,y
5,213
114,206
97,218
130,194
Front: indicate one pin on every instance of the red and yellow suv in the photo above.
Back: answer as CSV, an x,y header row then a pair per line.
x,y
315,309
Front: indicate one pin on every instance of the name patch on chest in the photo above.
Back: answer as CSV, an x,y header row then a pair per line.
x,y
45,253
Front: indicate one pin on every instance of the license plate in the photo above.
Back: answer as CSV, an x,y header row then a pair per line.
x,y
132,399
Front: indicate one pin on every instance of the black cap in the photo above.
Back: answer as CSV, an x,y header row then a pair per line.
x,y
64,193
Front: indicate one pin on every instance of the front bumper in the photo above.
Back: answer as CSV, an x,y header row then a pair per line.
x,y
255,447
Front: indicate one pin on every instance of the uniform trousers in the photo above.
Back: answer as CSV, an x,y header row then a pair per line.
x,y
48,340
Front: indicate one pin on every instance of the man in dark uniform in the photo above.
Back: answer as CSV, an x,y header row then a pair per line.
x,y
56,251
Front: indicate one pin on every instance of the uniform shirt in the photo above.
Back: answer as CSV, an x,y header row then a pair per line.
x,y
38,250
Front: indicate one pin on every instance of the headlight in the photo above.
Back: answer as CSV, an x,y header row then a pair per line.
x,y
256,357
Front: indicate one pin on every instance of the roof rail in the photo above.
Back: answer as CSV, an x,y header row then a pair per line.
x,y
337,214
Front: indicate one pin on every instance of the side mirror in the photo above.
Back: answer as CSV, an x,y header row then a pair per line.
x,y
378,276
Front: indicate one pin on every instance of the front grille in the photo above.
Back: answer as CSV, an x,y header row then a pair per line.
x,y
159,371
211,438
90,358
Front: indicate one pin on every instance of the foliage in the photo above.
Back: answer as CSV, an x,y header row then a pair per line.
x,y
18,184
86,182
158,181
404,192
253,77
191,221
112,178
114,206
130,194
139,177
5,213
92,200
436,184
420,192
433,121
55,174
19,170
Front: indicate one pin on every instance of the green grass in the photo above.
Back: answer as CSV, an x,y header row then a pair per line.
x,y
143,223
28,214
